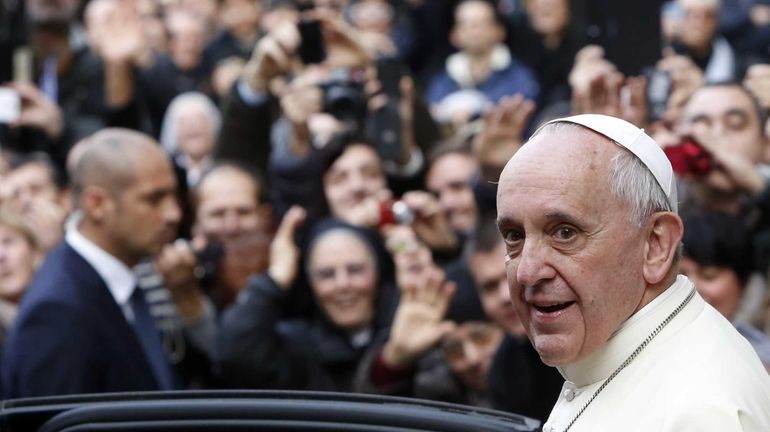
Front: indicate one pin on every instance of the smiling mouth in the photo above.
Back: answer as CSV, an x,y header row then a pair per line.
x,y
551,308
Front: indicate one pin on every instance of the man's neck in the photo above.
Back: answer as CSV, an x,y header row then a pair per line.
x,y
100,239
480,65
653,291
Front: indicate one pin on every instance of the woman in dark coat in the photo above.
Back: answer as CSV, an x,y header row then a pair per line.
x,y
321,351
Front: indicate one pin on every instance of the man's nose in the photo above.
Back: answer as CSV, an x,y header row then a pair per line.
x,y
341,279
172,213
532,265
231,223
357,183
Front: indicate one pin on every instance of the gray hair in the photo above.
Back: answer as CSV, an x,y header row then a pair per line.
x,y
632,182
169,132
630,179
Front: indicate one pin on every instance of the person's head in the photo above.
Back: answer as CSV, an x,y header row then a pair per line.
x,y
717,258
469,349
190,126
277,13
187,38
35,177
485,260
353,177
343,274
226,73
477,27
241,17
96,14
372,15
45,12
229,202
449,178
126,189
19,256
699,27
589,231
728,114
548,17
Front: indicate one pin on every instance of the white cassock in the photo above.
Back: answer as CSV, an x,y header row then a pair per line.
x,y
698,374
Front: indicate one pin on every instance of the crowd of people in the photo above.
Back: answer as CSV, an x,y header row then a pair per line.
x,y
289,194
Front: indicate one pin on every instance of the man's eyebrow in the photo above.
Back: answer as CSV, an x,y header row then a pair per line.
x,y
732,111
562,217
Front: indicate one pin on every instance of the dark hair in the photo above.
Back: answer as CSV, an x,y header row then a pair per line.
x,y
758,109
455,144
39,158
718,239
485,237
496,15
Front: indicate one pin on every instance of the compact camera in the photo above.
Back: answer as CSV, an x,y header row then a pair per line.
x,y
689,157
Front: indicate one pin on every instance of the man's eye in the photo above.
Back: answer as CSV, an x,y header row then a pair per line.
x,y
565,233
512,236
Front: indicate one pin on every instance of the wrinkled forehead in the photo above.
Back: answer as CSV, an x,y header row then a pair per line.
x,y
563,147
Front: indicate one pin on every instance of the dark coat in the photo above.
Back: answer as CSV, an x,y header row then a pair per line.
x,y
71,337
256,349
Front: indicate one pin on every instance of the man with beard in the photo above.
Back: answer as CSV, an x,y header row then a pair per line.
x,y
91,327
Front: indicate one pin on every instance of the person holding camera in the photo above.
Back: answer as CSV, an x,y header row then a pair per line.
x,y
727,127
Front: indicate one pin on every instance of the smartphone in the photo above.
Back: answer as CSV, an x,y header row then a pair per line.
x,y
390,70
311,48
10,105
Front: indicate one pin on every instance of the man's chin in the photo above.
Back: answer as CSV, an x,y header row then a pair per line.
x,y
553,353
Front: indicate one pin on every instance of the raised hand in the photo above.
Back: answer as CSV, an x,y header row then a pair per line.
x,y
176,263
419,323
430,223
757,80
502,135
284,253
273,56
37,110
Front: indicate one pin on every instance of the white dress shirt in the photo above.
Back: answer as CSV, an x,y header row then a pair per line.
x,y
120,280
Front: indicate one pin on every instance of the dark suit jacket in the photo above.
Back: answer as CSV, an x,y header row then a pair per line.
x,y
71,337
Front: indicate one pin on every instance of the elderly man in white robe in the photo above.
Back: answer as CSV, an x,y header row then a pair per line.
x,y
588,212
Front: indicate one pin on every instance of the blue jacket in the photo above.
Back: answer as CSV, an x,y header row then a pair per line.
x,y
71,337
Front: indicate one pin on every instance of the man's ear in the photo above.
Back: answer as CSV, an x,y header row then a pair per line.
x,y
664,234
95,201
454,37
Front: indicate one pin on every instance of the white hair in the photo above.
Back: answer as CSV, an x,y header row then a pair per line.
x,y
630,180
169,135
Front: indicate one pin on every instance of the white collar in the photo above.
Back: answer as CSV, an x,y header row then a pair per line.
x,y
458,65
721,65
631,333
120,280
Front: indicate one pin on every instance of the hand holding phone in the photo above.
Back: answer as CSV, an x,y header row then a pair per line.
x,y
10,105
311,48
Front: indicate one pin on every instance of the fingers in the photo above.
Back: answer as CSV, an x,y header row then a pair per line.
x,y
271,49
422,203
445,328
292,220
177,254
28,92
